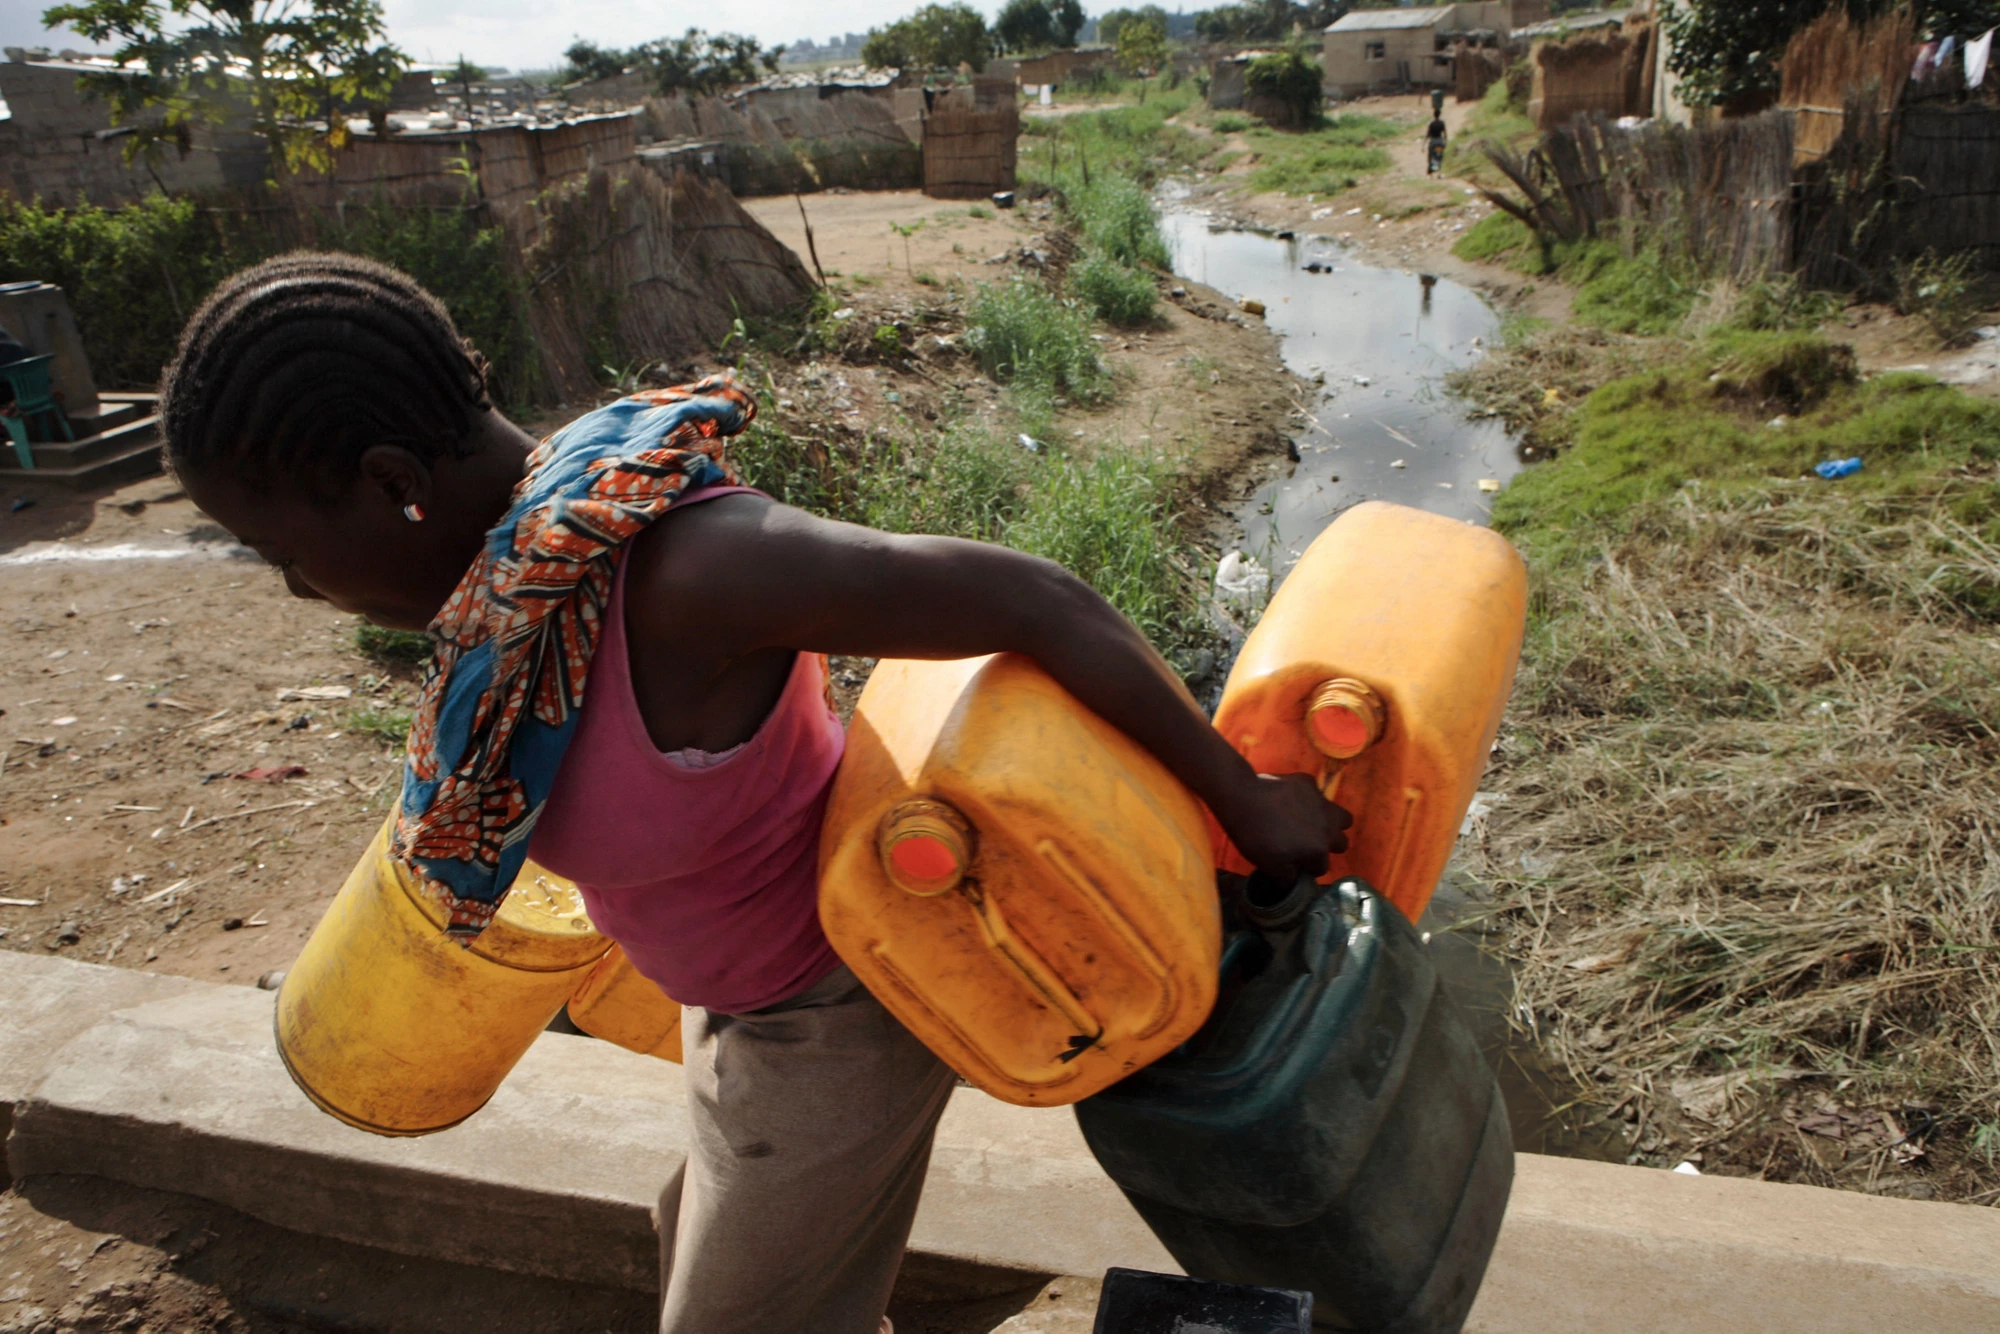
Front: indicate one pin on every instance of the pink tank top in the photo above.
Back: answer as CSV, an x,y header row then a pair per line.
x,y
704,867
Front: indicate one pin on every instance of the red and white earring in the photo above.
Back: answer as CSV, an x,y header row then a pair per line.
x,y
414,512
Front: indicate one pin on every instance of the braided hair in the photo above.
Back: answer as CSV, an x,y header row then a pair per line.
x,y
293,368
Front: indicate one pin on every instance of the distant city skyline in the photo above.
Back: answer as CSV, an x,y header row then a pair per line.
x,y
523,34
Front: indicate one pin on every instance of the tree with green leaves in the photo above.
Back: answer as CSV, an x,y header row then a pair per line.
x,y
1109,24
1291,79
1025,25
1066,16
296,66
935,37
701,64
588,60
465,74
1142,46
1728,51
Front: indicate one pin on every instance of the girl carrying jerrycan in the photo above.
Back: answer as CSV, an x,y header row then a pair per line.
x,y
628,684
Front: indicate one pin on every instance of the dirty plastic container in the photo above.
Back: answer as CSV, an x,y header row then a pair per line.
x,y
393,1027
1024,887
1382,667
618,1003
1332,1128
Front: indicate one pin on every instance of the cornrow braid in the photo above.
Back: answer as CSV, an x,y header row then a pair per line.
x,y
292,368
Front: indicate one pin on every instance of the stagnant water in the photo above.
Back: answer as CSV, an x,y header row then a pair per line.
x,y
1376,344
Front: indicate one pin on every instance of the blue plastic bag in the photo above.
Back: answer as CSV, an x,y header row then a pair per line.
x,y
1835,468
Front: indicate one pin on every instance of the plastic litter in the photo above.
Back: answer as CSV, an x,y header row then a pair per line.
x,y
1489,484
1029,443
1363,381
1137,1302
1251,306
1833,469
1241,580
1686,1170
1399,464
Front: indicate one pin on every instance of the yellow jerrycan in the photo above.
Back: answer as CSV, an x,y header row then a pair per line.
x,y
391,1026
1024,887
1382,666
618,1003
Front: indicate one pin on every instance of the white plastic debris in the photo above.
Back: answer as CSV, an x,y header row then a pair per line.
x,y
1687,1170
1489,484
1029,443
1241,580
296,694
1398,464
1482,806
1363,381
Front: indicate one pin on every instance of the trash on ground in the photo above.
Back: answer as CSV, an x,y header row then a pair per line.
x,y
1489,484
1481,806
1136,1302
1029,443
1399,464
1686,1169
1363,381
272,980
1240,579
1834,469
296,694
272,773
1251,306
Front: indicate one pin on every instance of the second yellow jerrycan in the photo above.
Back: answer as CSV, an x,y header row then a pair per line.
x,y
618,1003
392,1026
1023,886
1382,666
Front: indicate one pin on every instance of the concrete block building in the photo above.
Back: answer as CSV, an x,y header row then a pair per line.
x,y
1386,50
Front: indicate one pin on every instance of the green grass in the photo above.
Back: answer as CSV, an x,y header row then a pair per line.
x,y
1232,122
1496,118
1134,141
1034,340
1502,238
1321,161
960,482
1114,293
392,648
1107,519
1646,293
1706,419
391,727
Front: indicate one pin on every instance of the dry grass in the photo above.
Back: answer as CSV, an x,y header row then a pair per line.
x,y
1748,851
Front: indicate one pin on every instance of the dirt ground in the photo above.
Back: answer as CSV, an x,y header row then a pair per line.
x,y
1217,424
79,1255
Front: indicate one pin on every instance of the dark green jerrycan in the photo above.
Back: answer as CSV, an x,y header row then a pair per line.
x,y
1332,1128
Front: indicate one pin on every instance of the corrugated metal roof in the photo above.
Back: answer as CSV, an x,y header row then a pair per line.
x,y
1377,20
1572,23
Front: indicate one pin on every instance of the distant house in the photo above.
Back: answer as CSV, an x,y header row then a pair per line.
x,y
1383,50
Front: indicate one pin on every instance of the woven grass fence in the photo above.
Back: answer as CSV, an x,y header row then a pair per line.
x,y
969,154
1832,60
642,268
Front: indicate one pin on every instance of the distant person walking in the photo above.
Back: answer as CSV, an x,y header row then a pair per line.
x,y
1434,146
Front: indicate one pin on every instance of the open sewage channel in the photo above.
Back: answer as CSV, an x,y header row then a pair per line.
x,y
1375,344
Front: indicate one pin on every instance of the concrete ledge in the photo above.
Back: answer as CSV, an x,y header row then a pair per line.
x,y
46,1001
183,1091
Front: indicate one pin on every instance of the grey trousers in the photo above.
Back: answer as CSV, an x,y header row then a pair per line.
x,y
811,1126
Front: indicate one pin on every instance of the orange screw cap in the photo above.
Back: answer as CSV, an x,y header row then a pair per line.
x,y
926,847
1344,718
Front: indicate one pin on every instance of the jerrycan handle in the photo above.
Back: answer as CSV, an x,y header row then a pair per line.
x,y
1271,905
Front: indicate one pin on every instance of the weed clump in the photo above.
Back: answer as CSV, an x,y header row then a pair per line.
x,y
1114,293
1320,161
1947,292
1028,337
1117,216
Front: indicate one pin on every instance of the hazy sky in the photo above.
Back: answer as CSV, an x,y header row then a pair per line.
x,y
525,34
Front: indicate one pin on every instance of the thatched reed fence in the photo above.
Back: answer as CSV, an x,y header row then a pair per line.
x,y
1475,69
969,154
1832,60
1609,75
1723,193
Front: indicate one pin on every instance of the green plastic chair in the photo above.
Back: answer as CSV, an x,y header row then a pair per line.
x,y
33,397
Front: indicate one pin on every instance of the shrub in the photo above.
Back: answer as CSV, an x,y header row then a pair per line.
x,y
1232,122
1114,293
1644,294
1289,79
1117,215
1945,291
1027,336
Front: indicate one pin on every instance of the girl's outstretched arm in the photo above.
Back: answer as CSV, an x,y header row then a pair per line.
x,y
717,588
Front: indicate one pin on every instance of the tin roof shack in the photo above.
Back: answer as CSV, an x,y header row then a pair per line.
x,y
1228,86
59,145
1378,50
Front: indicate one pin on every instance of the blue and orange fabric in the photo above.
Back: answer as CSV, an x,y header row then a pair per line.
x,y
515,639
